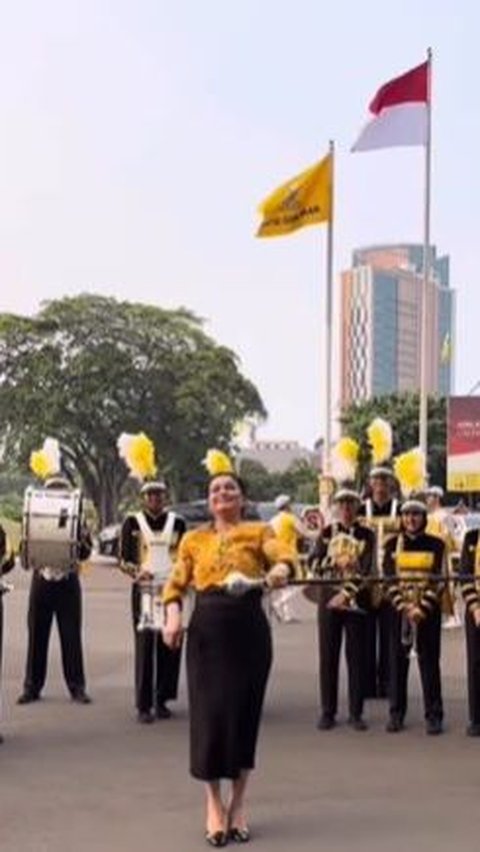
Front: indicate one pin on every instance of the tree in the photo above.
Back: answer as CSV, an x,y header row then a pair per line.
x,y
401,411
300,481
261,485
85,369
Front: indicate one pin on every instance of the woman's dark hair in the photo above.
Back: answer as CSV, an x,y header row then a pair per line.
x,y
424,521
240,482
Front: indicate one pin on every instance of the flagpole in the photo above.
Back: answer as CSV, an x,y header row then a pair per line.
x,y
329,323
423,410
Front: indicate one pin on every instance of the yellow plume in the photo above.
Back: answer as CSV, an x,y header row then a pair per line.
x,y
40,464
410,470
217,462
380,439
138,453
46,462
345,459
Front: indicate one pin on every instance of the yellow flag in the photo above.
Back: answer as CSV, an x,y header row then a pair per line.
x,y
306,199
446,353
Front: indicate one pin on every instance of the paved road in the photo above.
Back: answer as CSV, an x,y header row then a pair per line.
x,y
89,778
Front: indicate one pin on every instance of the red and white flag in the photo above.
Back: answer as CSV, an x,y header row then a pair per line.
x,y
399,112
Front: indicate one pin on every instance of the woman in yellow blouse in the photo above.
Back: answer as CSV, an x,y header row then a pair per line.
x,y
229,648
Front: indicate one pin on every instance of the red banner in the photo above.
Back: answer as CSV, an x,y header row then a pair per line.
x,y
463,461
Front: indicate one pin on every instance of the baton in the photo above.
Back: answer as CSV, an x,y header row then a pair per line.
x,y
384,581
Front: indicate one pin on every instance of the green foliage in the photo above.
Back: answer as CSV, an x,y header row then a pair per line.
x,y
87,368
12,486
300,481
401,411
12,529
260,484
11,507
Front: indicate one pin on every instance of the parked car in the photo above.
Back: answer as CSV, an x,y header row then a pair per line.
x,y
109,540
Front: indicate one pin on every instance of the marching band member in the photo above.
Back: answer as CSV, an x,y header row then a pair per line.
x,y
412,557
290,530
437,515
54,592
470,571
229,647
157,667
439,523
346,550
7,562
380,512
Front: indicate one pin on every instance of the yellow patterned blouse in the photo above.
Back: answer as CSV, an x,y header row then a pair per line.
x,y
205,557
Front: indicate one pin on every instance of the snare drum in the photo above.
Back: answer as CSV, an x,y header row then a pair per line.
x,y
51,529
152,611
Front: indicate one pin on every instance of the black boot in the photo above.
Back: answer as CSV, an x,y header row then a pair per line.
x,y
145,717
28,696
434,727
163,712
80,696
394,725
326,722
357,723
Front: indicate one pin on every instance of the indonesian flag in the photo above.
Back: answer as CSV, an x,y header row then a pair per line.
x,y
399,111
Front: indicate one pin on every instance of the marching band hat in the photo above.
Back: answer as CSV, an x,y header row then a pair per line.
x,y
57,482
344,494
154,485
282,501
435,491
383,471
413,505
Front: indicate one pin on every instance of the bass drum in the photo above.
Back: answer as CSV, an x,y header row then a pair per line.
x,y
51,529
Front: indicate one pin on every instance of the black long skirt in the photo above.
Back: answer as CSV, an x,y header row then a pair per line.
x,y
229,654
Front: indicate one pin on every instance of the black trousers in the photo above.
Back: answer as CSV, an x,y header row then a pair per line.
x,y
332,624
472,635
377,653
157,668
229,654
63,599
428,649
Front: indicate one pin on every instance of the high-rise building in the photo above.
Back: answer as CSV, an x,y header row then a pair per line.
x,y
381,298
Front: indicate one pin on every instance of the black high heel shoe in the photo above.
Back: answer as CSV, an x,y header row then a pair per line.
x,y
239,835
216,838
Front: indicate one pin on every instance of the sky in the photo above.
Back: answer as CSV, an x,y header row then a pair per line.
x,y
137,138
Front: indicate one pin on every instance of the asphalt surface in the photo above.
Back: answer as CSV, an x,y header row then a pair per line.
x,y
89,778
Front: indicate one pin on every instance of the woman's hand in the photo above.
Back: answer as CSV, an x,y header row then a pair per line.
x,y
278,576
143,576
476,616
415,615
173,628
340,601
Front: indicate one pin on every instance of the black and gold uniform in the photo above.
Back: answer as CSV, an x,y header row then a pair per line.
x,y
157,667
384,520
418,556
470,571
54,593
7,562
327,560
